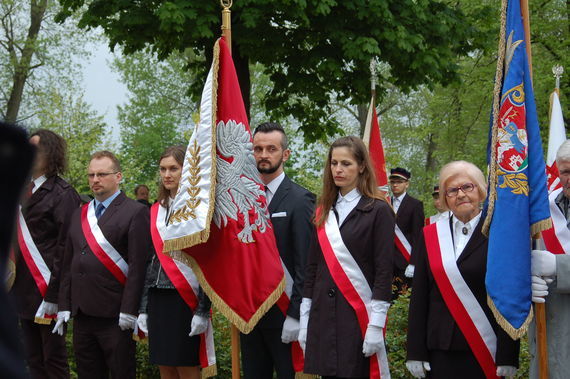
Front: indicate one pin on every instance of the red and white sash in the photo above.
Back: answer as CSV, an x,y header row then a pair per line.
x,y
352,283
186,283
283,304
99,245
402,244
430,220
35,262
557,238
461,302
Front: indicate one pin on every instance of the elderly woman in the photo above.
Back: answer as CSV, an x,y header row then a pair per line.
x,y
451,330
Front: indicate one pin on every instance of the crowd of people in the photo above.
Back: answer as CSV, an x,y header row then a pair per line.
x,y
348,254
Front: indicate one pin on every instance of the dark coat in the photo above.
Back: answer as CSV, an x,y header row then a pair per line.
x,y
410,218
47,213
87,284
334,339
430,324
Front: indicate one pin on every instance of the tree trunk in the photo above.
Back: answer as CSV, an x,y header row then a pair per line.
x,y
23,67
242,69
362,115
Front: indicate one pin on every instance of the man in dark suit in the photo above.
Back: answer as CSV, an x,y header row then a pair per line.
x,y
16,156
46,210
291,207
103,302
410,220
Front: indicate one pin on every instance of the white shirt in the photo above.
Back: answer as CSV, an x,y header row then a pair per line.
x,y
272,187
38,182
345,204
396,201
459,238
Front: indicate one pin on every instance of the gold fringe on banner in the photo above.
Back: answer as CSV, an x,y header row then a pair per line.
x,y
203,235
42,321
302,375
507,327
208,372
538,227
243,325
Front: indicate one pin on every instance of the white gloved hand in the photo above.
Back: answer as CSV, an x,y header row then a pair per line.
x,y
409,273
62,318
199,325
418,369
506,371
142,323
304,321
290,331
539,289
46,309
127,321
543,263
373,340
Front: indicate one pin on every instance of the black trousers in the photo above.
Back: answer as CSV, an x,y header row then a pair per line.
x,y
46,353
102,348
262,351
454,364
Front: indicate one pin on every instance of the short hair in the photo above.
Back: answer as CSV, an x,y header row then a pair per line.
x,y
563,153
452,169
107,154
54,150
268,127
139,186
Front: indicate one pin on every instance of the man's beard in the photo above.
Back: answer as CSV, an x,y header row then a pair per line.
x,y
267,170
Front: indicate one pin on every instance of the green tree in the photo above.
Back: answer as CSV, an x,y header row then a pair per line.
x,y
312,51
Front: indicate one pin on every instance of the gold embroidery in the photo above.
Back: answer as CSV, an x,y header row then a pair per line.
x,y
518,182
189,209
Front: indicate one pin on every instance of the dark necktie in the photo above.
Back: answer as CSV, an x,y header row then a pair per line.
x,y
99,210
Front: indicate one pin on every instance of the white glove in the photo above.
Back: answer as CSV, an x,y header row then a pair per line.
x,y
199,325
373,340
543,263
127,321
507,371
539,289
304,321
46,309
62,317
290,330
418,369
409,273
142,323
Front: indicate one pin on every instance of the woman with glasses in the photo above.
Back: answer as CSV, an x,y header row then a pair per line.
x,y
174,311
452,332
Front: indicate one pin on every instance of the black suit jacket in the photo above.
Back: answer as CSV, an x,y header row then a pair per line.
x,y
291,210
430,324
47,213
410,219
87,284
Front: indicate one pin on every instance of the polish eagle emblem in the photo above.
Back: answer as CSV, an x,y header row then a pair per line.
x,y
237,189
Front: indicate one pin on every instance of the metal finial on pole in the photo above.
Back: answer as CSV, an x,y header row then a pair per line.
x,y
227,21
373,64
557,70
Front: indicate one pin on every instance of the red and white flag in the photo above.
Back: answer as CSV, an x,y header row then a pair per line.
x,y
219,217
373,140
556,136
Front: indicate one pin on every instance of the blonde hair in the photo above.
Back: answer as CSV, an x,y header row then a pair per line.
x,y
452,169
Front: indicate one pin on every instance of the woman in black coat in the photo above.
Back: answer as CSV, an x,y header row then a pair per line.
x,y
437,346
336,344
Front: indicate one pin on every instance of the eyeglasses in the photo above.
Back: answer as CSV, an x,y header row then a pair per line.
x,y
452,192
100,175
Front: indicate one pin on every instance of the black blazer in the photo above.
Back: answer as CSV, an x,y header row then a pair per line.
x,y
410,218
87,284
291,210
430,324
47,213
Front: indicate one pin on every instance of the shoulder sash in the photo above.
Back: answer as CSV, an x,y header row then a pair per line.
x,y
557,238
402,244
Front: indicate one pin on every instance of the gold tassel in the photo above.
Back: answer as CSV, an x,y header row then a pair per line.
x,y
507,327
42,321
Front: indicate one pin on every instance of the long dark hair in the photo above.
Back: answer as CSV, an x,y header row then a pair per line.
x,y
54,150
366,183
176,152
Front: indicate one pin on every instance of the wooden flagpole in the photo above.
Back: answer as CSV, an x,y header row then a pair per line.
x,y
227,33
539,308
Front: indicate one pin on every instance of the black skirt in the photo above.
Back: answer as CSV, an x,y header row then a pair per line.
x,y
169,323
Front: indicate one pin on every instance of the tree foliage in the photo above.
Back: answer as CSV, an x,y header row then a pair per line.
x,y
312,50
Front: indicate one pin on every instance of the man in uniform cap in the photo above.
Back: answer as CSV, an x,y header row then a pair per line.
x,y
441,211
409,221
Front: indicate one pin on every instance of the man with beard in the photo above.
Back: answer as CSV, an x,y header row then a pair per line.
x,y
291,207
